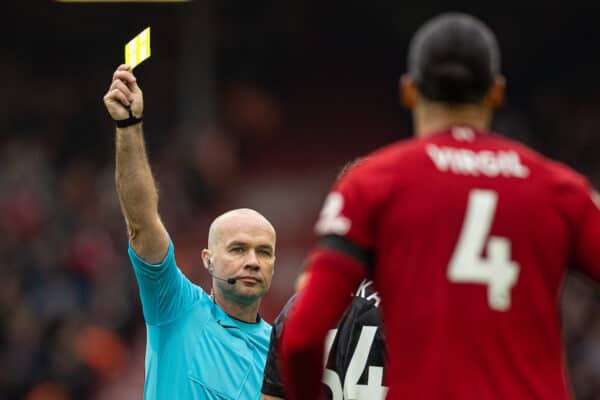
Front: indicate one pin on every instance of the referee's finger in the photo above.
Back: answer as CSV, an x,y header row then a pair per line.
x,y
118,84
116,94
125,76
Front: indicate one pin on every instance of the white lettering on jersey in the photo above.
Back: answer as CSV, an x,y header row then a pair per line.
x,y
330,221
362,292
485,162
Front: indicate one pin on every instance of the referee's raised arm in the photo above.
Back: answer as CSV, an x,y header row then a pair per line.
x,y
135,184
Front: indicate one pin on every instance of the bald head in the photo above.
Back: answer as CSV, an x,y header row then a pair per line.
x,y
239,219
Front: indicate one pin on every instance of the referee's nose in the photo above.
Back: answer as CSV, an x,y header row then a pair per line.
x,y
251,261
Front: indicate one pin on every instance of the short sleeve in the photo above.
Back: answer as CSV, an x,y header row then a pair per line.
x,y
587,240
165,291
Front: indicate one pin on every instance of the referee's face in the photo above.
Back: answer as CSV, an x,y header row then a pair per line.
x,y
245,251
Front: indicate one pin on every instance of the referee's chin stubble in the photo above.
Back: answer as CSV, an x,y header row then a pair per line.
x,y
251,289
244,291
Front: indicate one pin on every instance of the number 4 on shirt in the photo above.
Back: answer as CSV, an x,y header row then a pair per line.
x,y
467,265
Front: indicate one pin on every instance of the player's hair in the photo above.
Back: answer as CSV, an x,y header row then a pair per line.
x,y
454,58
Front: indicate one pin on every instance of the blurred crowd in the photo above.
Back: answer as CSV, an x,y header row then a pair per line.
x,y
71,326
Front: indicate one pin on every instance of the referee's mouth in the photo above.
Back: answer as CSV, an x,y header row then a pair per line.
x,y
249,279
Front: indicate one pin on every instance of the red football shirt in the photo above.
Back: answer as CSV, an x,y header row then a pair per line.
x,y
467,236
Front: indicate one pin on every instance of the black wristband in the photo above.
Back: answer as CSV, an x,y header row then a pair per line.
x,y
132,120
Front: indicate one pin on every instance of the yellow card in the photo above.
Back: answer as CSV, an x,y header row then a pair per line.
x,y
138,49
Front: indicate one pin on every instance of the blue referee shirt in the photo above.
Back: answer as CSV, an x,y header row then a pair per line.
x,y
194,350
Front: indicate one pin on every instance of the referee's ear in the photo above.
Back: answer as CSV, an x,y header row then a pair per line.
x,y
206,259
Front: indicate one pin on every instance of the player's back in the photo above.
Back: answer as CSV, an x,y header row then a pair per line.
x,y
472,235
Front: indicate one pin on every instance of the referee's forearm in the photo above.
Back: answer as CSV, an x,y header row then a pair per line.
x,y
134,180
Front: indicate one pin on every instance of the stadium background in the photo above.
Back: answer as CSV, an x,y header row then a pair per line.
x,y
248,103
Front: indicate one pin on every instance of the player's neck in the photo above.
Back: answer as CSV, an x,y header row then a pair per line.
x,y
431,117
240,311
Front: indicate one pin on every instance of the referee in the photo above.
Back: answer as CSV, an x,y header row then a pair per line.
x,y
199,346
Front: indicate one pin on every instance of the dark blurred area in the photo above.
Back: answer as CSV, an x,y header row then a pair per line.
x,y
247,104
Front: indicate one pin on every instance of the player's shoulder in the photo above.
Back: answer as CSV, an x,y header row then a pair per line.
x,y
556,172
562,174
381,162
398,151
567,186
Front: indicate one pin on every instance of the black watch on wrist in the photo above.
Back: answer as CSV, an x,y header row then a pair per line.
x,y
132,120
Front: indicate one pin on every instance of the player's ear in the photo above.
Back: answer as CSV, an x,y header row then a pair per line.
x,y
496,93
408,91
206,259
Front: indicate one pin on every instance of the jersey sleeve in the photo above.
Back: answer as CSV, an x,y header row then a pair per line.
x,y
165,291
587,236
272,383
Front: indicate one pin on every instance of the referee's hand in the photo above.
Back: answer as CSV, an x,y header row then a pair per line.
x,y
124,92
